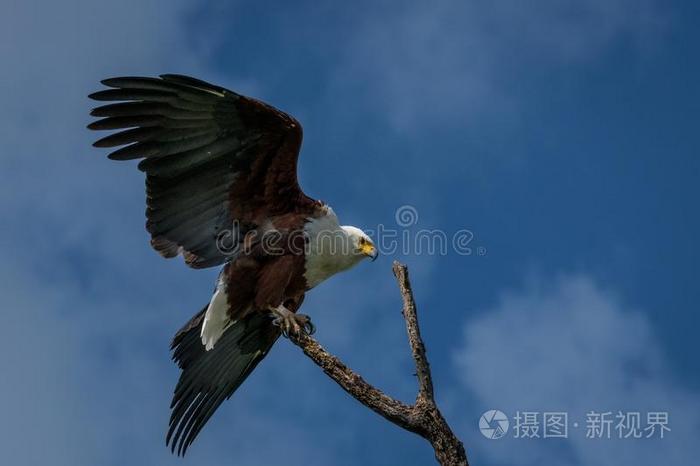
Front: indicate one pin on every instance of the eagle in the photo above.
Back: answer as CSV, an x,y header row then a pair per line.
x,y
222,190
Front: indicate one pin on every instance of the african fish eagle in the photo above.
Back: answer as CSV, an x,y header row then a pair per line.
x,y
222,190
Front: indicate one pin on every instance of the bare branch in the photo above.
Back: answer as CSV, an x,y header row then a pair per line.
x,y
423,418
393,410
425,379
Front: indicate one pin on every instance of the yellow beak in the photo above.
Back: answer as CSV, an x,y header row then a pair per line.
x,y
370,251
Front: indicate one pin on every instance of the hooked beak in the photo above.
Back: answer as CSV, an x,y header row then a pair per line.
x,y
373,254
370,251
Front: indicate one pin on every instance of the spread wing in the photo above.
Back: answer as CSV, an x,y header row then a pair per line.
x,y
217,163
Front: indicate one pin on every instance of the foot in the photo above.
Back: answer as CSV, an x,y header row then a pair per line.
x,y
291,323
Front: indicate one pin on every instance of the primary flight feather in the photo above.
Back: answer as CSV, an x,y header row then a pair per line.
x,y
222,190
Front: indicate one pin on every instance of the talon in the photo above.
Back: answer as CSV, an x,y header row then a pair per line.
x,y
291,323
309,327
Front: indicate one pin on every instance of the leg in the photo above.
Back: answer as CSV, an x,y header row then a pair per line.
x,y
291,323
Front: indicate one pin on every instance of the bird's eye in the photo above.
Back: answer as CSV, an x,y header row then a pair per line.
x,y
362,241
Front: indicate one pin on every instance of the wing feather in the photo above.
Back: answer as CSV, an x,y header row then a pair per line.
x,y
212,158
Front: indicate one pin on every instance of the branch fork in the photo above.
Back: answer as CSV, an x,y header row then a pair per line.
x,y
423,417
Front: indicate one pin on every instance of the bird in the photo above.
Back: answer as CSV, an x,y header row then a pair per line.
x,y
222,191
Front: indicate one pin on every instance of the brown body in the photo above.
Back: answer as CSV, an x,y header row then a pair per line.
x,y
269,270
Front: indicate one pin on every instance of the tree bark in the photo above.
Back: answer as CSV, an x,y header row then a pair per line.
x,y
423,417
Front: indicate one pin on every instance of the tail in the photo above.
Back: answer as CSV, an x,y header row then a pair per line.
x,y
210,377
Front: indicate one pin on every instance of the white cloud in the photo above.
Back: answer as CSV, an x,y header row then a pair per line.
x,y
571,346
437,63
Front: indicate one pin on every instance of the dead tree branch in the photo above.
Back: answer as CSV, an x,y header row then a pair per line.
x,y
423,417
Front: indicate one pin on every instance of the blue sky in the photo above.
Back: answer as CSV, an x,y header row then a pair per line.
x,y
563,134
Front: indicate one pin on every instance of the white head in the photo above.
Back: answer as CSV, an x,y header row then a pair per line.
x,y
361,245
334,248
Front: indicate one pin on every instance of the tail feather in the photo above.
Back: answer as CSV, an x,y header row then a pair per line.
x,y
210,377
